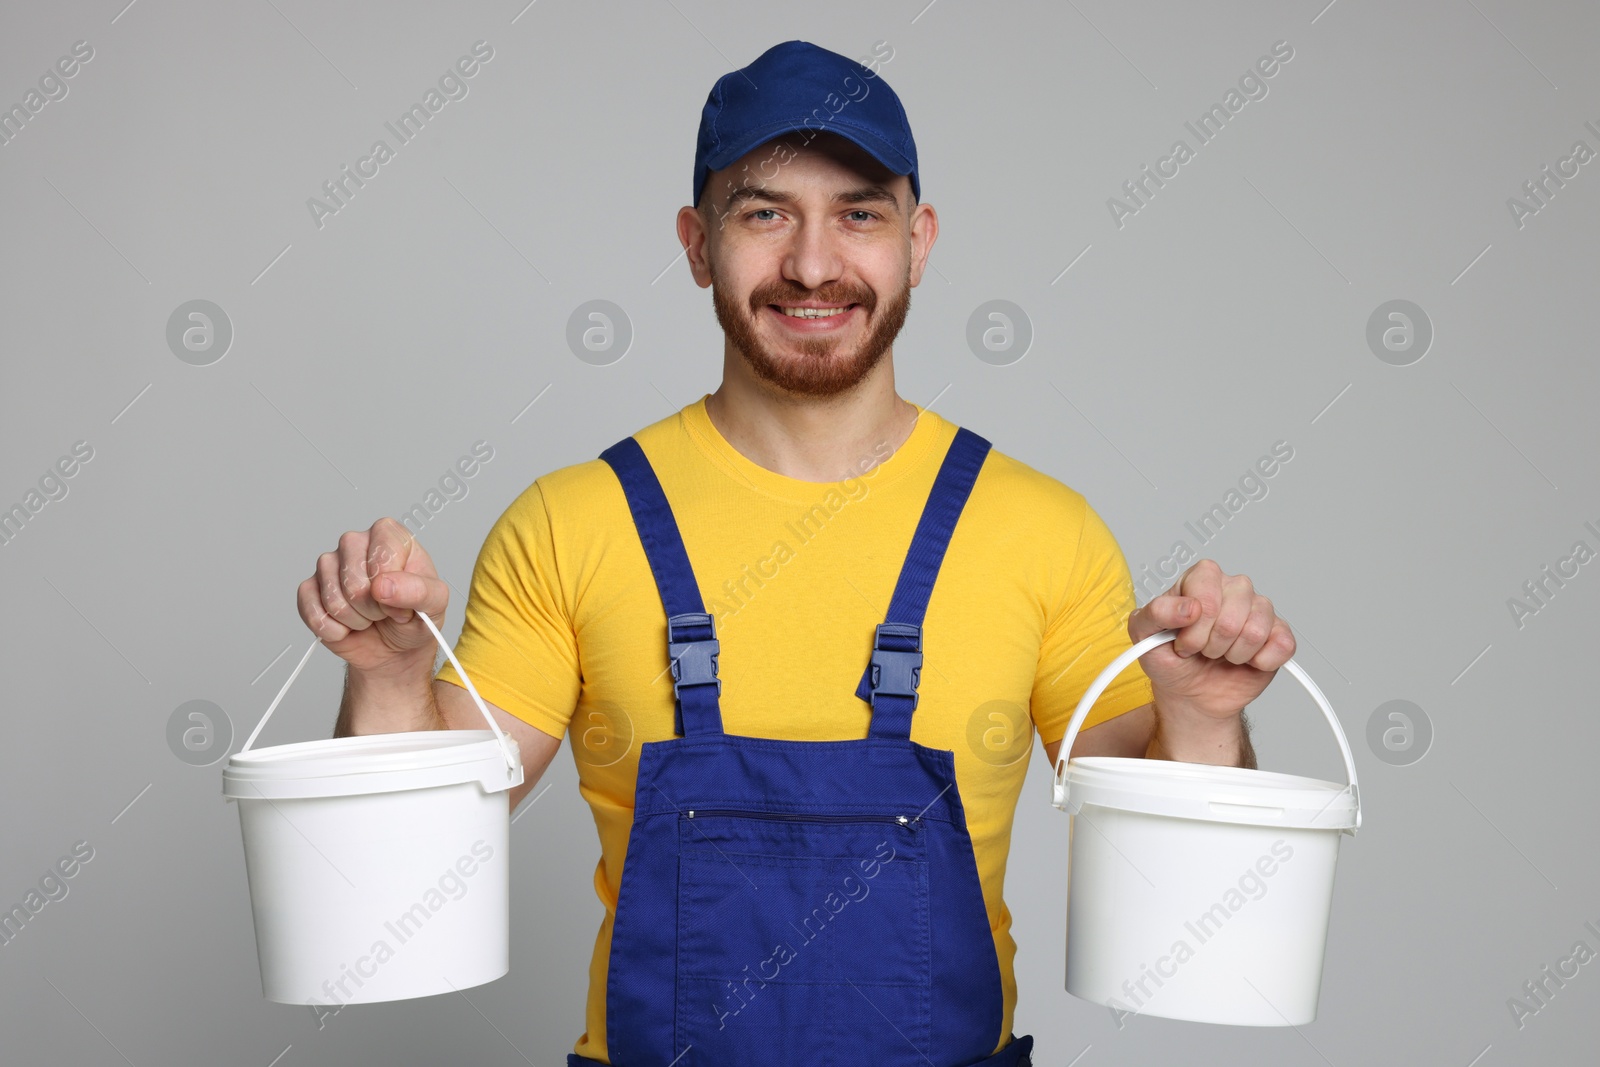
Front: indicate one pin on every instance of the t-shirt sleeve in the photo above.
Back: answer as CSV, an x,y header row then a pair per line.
x,y
1088,631
517,640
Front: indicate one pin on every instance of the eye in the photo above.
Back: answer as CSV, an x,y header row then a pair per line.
x,y
861,211
762,211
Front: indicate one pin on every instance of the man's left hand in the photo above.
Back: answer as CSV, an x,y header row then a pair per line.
x,y
1230,643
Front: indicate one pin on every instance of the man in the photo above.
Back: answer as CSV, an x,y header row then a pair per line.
x,y
850,590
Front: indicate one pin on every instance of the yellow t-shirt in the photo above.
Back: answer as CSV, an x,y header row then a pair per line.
x,y
564,627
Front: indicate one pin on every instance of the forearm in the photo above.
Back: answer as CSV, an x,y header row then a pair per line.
x,y
389,703
1193,737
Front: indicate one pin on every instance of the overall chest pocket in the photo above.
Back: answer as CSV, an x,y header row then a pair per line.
x,y
802,939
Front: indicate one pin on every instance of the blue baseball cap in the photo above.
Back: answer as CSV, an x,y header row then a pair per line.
x,y
798,86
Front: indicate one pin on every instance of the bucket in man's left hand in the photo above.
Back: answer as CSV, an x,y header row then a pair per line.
x,y
1199,892
378,864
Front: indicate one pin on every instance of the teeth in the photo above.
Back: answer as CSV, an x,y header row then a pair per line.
x,y
812,313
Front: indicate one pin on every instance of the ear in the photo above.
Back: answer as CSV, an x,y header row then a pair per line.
x,y
694,236
924,231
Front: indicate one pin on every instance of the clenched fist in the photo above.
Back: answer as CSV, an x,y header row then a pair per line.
x,y
362,600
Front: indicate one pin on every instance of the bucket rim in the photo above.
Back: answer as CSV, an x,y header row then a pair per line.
x,y
1139,766
339,757
1210,793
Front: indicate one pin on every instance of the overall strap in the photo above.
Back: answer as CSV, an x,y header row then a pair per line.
x,y
691,635
889,683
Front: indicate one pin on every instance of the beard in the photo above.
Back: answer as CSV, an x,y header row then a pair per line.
x,y
812,366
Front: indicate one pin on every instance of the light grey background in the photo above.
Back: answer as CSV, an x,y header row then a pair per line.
x,y
368,355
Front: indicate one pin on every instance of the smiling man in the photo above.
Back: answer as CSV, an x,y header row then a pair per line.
x,y
801,727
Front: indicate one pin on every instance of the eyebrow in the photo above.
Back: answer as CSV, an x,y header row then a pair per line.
x,y
865,194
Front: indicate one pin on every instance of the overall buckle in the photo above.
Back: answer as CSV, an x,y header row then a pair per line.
x,y
896,671
693,659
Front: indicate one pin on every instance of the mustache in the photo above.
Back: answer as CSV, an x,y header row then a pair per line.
x,y
782,294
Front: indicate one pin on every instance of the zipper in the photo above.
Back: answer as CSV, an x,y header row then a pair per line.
x,y
901,820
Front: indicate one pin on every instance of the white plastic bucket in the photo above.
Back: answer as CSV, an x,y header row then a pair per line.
x,y
378,865
1198,892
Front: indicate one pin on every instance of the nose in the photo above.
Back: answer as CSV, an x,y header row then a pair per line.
x,y
812,259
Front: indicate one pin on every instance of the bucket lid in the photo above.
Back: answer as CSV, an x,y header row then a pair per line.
x,y
1214,794
1200,790
370,763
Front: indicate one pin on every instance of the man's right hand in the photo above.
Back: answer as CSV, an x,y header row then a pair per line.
x,y
363,598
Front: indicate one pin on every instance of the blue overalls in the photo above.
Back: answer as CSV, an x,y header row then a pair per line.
x,y
809,903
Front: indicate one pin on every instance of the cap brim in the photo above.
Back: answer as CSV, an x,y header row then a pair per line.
x,y
875,146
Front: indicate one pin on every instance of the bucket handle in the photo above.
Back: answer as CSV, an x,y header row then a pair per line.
x,y
1116,667
505,743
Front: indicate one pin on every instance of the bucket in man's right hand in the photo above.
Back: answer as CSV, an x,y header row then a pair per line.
x,y
379,865
1199,892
